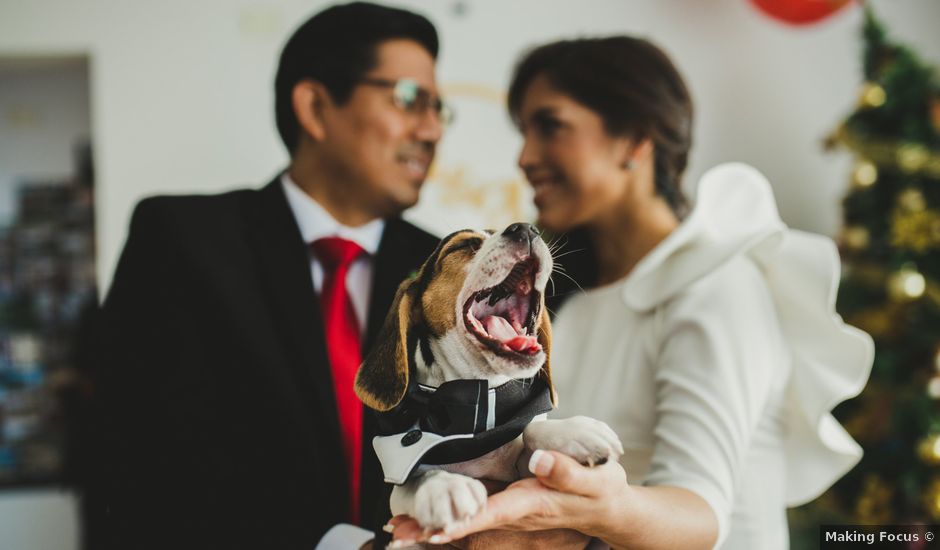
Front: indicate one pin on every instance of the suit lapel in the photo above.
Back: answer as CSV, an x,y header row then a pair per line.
x,y
396,259
284,263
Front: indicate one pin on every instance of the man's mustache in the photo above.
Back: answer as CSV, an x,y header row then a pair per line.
x,y
420,148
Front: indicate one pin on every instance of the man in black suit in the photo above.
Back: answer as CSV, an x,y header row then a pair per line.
x,y
217,416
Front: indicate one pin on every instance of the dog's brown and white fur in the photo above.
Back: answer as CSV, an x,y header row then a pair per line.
x,y
475,283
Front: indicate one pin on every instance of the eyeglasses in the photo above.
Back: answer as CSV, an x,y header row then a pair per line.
x,y
410,97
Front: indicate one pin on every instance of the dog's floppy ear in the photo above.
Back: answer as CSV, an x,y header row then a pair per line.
x,y
382,378
545,339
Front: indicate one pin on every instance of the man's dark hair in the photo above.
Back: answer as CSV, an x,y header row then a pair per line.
x,y
635,89
336,47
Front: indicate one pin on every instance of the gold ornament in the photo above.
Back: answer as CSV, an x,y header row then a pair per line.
x,y
873,95
874,504
915,228
888,315
865,174
929,449
907,284
912,200
931,498
933,387
912,157
856,237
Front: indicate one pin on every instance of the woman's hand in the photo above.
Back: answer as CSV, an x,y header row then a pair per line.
x,y
563,496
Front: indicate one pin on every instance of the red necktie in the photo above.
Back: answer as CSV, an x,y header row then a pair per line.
x,y
343,348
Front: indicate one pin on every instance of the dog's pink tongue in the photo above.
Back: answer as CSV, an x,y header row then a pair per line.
x,y
500,329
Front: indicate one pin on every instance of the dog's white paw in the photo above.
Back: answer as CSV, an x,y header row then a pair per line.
x,y
443,499
585,439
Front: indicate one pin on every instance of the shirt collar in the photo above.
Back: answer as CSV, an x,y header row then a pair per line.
x,y
316,223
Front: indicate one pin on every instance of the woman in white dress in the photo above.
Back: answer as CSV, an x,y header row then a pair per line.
x,y
708,338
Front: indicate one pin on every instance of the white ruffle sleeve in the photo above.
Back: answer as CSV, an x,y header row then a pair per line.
x,y
735,214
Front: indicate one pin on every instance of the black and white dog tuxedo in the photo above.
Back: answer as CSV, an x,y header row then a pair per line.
x,y
456,422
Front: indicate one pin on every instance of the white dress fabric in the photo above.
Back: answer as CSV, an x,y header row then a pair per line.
x,y
718,360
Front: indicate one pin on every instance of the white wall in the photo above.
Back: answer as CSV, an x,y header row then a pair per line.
x,y
181,92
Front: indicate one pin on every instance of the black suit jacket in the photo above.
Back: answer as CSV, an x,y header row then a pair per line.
x,y
216,421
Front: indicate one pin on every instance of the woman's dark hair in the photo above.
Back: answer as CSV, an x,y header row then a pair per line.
x,y
337,47
635,89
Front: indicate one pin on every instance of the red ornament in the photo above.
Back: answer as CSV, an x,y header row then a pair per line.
x,y
800,12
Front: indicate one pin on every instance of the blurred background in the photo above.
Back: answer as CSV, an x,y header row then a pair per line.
x,y
104,102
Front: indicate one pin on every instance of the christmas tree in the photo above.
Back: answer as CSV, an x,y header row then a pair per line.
x,y
891,289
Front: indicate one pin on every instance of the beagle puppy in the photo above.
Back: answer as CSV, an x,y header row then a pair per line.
x,y
459,373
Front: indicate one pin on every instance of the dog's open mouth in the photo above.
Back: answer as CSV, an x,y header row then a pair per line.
x,y
504,316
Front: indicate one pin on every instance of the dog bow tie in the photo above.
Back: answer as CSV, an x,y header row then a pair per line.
x,y
470,406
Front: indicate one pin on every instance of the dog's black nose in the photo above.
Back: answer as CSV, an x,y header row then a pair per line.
x,y
522,232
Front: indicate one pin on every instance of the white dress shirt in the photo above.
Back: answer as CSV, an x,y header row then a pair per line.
x,y
718,359
316,223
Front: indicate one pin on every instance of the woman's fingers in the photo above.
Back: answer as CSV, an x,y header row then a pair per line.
x,y
405,531
397,520
562,473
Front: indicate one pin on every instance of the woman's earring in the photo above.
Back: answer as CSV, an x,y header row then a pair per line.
x,y
627,165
